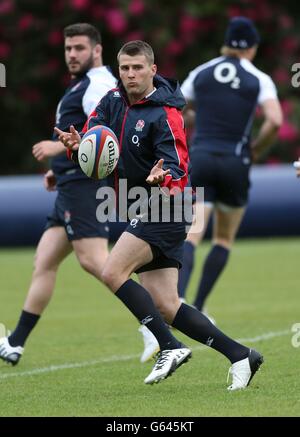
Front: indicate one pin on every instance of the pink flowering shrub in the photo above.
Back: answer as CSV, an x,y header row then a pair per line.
x,y
183,34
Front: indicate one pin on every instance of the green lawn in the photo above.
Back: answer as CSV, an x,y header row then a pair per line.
x,y
83,357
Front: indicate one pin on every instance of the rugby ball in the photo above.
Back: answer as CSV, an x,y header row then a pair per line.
x,y
98,152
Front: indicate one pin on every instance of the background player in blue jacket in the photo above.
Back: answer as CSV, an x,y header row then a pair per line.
x,y
145,114
222,97
72,224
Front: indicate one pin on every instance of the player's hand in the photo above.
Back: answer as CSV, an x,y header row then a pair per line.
x,y
50,181
157,174
46,149
71,139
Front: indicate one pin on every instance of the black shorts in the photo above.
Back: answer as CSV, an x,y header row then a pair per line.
x,y
75,209
225,178
166,241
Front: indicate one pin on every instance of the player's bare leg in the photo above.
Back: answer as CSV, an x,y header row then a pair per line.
x,y
51,250
92,254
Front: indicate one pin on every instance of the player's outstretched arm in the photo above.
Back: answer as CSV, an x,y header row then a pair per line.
x,y
47,149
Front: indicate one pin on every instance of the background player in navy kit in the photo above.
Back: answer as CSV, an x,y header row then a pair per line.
x,y
222,95
72,224
153,249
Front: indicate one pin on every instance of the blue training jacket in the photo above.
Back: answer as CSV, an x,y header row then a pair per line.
x,y
148,130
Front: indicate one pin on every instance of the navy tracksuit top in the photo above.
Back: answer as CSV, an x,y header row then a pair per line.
x,y
148,130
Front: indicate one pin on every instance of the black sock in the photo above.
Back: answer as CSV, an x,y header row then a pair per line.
x,y
194,324
24,327
186,269
140,303
213,266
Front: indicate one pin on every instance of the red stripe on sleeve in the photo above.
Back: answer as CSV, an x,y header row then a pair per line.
x,y
86,124
176,125
69,154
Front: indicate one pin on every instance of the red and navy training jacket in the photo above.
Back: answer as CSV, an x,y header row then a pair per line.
x,y
147,131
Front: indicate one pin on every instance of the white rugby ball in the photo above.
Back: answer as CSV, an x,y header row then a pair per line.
x,y
98,152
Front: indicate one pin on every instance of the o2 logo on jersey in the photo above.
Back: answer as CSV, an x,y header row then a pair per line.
x,y
136,141
134,222
226,73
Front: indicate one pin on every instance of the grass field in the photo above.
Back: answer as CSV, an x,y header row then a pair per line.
x,y
83,357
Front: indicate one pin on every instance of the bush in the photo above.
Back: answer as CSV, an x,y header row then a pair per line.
x,y
183,35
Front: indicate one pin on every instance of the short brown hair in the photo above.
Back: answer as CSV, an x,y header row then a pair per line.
x,y
84,29
133,48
